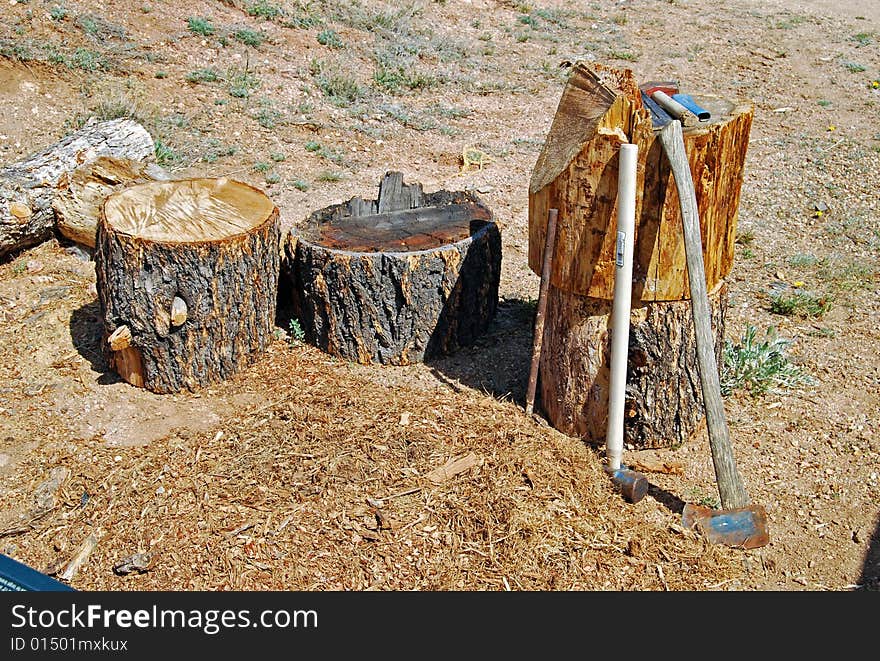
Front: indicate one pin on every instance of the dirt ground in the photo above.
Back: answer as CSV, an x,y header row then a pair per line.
x,y
307,472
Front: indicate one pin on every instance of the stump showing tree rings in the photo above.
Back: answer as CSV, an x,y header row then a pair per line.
x,y
187,279
398,279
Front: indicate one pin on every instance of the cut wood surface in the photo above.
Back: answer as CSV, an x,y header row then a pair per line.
x,y
190,267
80,194
28,188
577,173
394,280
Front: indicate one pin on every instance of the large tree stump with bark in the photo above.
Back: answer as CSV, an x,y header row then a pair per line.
x,y
576,173
398,279
187,278
28,188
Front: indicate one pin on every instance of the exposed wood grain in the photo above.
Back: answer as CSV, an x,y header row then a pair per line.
x,y
577,173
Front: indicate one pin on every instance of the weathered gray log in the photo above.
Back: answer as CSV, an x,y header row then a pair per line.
x,y
187,279
664,403
398,279
28,187
80,194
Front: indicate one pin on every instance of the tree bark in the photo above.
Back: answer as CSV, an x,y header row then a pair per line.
x,y
398,279
29,187
664,403
187,278
80,194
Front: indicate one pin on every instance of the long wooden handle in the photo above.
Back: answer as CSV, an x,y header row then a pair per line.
x,y
730,486
538,338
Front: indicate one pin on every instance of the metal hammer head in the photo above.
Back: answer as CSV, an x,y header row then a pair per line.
x,y
632,484
742,527
669,87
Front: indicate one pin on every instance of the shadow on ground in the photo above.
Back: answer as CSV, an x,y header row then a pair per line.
x,y
86,330
870,577
498,361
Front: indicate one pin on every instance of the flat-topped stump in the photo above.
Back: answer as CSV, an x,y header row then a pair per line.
x,y
394,280
187,279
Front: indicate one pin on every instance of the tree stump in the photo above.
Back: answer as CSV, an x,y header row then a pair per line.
x,y
187,279
28,188
664,401
576,173
398,279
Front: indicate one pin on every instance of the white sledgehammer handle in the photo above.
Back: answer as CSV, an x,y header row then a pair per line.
x,y
626,211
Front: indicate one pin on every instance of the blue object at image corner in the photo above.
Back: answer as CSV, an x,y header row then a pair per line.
x,y
16,576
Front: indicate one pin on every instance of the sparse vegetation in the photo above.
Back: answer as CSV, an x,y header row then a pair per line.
x,y
296,333
200,26
249,37
87,60
208,75
330,39
799,303
760,366
339,87
164,154
263,9
241,83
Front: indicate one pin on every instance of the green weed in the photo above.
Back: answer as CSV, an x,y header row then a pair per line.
x,y
854,67
340,88
242,84
297,334
164,154
800,304
249,37
329,177
802,260
266,10
745,237
87,60
760,366
330,39
58,13
208,75
200,26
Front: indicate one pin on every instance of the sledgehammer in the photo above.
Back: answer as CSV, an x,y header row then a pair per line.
x,y
740,523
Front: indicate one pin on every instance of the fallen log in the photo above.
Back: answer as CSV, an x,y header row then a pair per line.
x,y
28,187
80,194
